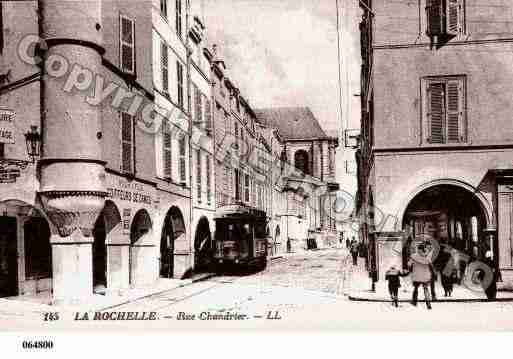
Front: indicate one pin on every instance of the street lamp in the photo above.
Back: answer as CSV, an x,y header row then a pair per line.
x,y
33,140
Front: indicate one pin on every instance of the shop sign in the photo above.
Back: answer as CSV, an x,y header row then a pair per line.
x,y
132,192
6,126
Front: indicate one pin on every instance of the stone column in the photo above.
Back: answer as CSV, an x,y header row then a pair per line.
x,y
72,172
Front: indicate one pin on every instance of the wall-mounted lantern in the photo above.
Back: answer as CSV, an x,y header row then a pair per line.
x,y
33,139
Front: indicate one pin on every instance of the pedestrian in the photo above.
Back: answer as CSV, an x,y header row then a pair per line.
x,y
420,269
354,252
433,282
448,281
393,275
348,243
491,289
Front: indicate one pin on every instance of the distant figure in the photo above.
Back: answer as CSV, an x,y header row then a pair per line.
x,y
394,283
348,243
354,251
448,282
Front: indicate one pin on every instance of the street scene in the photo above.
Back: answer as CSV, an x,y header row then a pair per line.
x,y
297,292
272,165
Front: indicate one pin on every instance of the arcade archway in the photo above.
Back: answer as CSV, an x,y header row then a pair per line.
x,y
24,237
107,225
140,230
173,228
202,246
451,215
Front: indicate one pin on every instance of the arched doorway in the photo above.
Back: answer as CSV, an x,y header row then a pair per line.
x,y
140,228
202,246
106,225
173,228
8,257
451,215
24,230
302,161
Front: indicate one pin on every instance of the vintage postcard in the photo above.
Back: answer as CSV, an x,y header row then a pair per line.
x,y
280,165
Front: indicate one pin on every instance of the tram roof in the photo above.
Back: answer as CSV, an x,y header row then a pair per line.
x,y
238,210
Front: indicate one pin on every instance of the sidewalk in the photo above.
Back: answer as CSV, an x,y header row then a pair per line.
x,y
37,304
359,289
303,252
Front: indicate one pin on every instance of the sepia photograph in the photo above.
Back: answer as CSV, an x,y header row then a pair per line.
x,y
255,165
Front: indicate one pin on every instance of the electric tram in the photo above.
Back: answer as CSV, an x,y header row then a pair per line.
x,y
241,237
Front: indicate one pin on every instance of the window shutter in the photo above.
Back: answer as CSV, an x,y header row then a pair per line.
x,y
164,67
179,76
179,17
197,103
208,115
455,111
453,17
166,142
163,8
435,17
126,143
182,165
246,188
436,112
209,184
198,174
127,44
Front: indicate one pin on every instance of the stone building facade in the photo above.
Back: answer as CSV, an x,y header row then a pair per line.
x,y
302,177
132,109
436,138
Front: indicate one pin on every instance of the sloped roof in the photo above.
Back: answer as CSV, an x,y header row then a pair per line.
x,y
293,123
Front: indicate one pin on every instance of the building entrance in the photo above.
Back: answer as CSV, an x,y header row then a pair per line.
x,y
8,257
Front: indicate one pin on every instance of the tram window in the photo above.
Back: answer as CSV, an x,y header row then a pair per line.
x,y
261,230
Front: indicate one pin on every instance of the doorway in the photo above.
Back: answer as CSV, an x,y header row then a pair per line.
x,y
8,257
99,253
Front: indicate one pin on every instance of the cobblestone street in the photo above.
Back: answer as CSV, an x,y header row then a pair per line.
x,y
296,292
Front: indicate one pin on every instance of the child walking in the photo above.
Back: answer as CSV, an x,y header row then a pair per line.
x,y
393,275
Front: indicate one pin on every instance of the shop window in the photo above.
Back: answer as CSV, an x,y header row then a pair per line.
x,y
445,116
38,253
127,44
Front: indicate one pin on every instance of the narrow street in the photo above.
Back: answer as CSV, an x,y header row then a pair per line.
x,y
299,291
